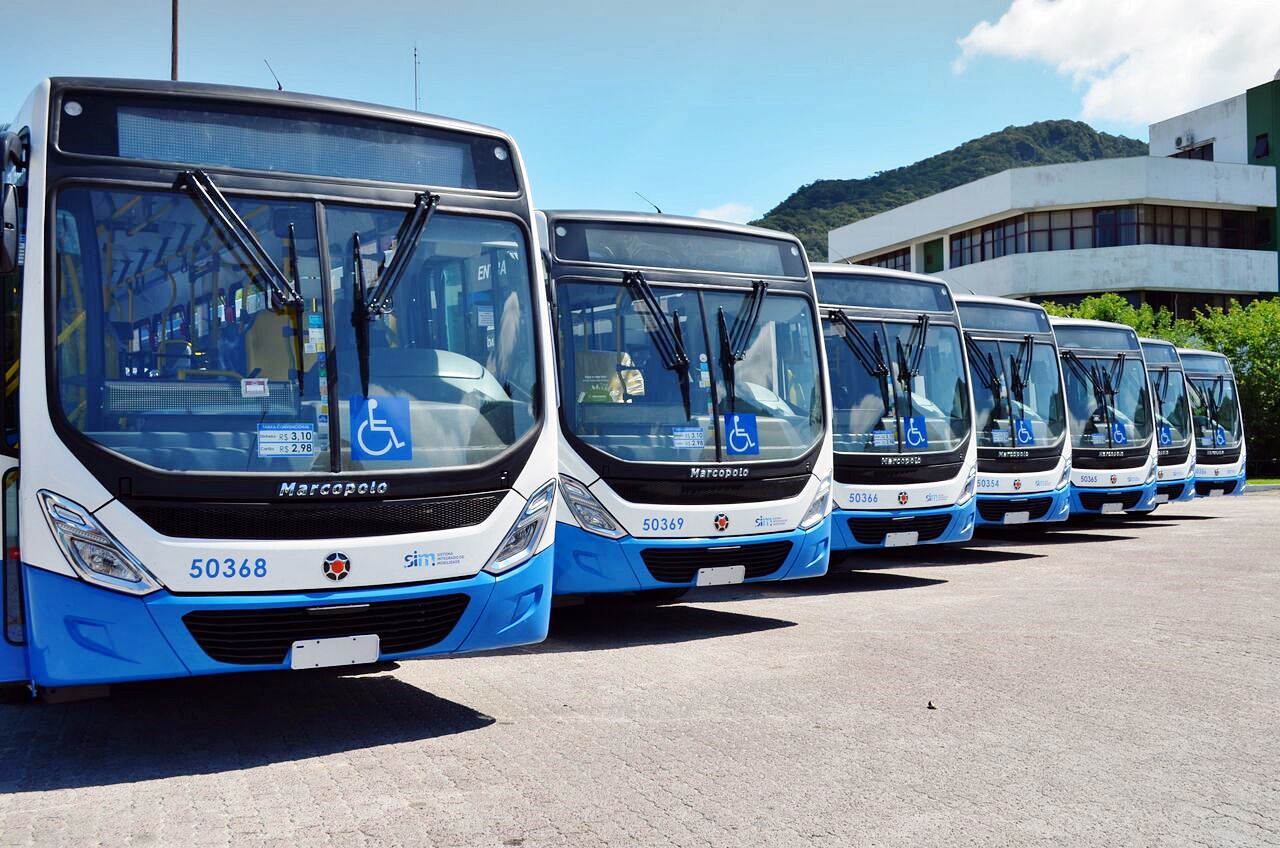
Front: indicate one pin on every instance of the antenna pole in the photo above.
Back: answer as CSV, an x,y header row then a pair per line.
x,y
173,45
648,201
417,103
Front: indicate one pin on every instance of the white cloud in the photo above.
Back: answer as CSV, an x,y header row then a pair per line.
x,y
738,213
1138,60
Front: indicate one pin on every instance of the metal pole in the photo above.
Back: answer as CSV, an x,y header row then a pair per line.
x,y
173,51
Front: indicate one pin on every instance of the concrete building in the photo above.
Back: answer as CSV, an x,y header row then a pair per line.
x,y
1192,225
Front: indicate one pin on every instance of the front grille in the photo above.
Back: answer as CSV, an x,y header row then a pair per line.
x,y
1204,487
871,531
707,491
1172,491
1036,508
680,565
313,520
1094,500
264,636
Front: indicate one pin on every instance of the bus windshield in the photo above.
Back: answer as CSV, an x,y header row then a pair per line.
x,y
1173,423
627,395
1107,400
896,387
174,351
1216,411
1017,393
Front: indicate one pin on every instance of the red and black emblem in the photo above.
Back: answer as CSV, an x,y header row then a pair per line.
x,y
722,522
903,497
1114,478
1017,484
337,566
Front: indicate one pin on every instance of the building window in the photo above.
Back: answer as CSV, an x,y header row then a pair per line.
x,y
895,260
1203,151
1262,146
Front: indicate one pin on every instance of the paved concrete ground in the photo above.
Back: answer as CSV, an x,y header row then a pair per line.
x,y
1116,684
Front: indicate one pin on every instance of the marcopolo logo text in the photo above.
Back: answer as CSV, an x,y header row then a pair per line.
x,y
336,488
704,473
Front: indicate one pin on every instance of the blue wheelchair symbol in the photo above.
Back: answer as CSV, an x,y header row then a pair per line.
x,y
380,429
741,438
1120,433
915,434
1022,432
1220,437
1166,435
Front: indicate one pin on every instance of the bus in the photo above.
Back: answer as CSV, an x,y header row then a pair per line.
x,y
1175,448
283,395
1217,423
906,462
1024,459
1109,418
695,437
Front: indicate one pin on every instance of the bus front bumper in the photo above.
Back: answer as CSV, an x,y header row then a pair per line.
x,y
1208,487
1089,500
862,529
1040,508
590,564
1172,491
80,634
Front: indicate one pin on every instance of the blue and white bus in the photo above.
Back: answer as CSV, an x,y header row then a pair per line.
x,y
1109,416
1024,458
906,462
695,444
1175,448
284,389
1217,423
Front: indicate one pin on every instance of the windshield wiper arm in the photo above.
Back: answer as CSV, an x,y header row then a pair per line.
x,y
360,315
983,364
1020,372
666,337
733,341
407,239
868,354
215,204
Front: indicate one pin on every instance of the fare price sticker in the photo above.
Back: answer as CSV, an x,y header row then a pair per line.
x,y
286,439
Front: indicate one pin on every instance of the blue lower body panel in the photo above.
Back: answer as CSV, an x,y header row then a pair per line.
x,y
1177,490
956,523
591,564
80,634
1087,500
1059,506
1230,485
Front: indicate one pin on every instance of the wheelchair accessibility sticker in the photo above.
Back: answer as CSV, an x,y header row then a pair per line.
x,y
380,428
1120,433
740,435
1166,436
1220,437
913,432
1023,435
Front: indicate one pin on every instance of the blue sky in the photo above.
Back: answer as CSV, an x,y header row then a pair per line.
x,y
694,104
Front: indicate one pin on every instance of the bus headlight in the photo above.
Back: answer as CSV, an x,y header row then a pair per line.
x,y
969,486
1151,472
526,532
96,555
1066,474
590,513
817,509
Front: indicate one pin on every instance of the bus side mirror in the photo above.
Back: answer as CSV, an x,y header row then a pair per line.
x,y
8,228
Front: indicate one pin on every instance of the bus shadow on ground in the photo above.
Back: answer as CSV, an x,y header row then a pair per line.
x,y
193,726
837,581
606,625
928,556
1043,534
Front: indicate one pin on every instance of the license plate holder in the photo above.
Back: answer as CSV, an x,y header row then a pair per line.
x,y
1017,517
1217,493
1112,508
342,650
1162,499
723,575
902,539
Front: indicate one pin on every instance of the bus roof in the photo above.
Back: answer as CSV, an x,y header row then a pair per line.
x,y
268,96
869,287
1088,334
1145,341
873,271
1001,314
663,219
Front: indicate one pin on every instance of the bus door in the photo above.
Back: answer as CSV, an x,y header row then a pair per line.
x,y
13,652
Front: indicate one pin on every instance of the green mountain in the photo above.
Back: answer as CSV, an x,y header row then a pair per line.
x,y
813,210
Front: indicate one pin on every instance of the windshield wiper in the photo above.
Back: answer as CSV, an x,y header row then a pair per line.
x,y
284,293
868,354
983,364
1020,372
733,341
407,239
1095,377
215,204
360,315
1160,386
668,341
909,356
